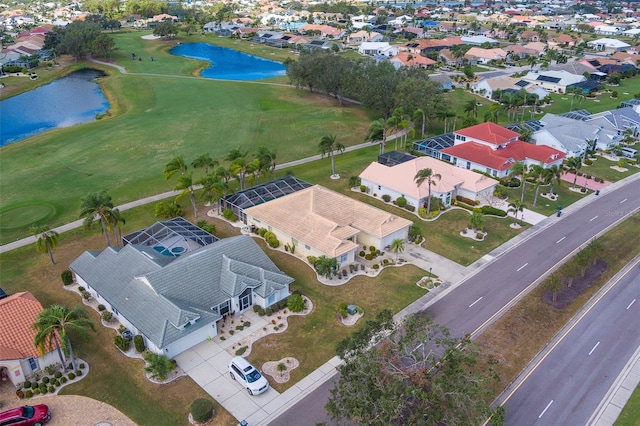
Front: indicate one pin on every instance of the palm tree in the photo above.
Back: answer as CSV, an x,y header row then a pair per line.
x,y
115,220
326,266
519,169
431,178
185,184
205,161
234,154
174,166
515,207
591,146
328,145
53,325
552,174
240,168
532,61
97,205
471,107
493,113
397,246
537,173
267,160
380,128
419,114
574,164
213,188
46,240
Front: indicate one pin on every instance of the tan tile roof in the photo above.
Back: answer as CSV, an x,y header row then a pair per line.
x,y
18,312
323,219
400,177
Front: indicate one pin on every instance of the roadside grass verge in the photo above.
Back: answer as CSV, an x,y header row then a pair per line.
x,y
545,206
630,415
113,378
523,331
601,168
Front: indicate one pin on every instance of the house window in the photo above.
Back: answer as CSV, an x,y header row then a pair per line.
x,y
245,299
379,187
343,258
271,300
115,311
468,165
494,173
33,364
307,247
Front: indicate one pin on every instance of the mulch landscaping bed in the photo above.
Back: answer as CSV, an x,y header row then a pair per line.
x,y
578,286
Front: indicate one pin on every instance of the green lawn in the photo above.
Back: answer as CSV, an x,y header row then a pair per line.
x,y
161,117
630,415
601,168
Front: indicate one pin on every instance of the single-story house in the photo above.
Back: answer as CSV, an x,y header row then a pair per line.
x,y
364,36
554,81
483,56
169,288
487,86
398,180
608,45
19,357
410,60
318,221
382,48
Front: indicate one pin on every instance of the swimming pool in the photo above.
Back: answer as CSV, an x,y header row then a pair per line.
x,y
229,64
174,252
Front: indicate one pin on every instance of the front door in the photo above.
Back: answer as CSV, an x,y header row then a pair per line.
x,y
245,300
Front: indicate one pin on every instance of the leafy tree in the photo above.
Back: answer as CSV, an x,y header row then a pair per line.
x,y
326,266
46,240
97,205
476,221
168,210
166,30
103,46
471,107
174,166
158,366
378,85
431,179
397,246
417,374
328,145
554,285
53,325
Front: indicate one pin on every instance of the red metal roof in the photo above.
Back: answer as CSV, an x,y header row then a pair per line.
x,y
503,158
488,132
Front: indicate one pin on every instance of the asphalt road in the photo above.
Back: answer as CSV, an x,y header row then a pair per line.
x,y
479,300
566,384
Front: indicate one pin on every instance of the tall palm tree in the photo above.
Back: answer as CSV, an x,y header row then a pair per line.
x,y
185,184
52,328
572,165
419,114
591,146
213,188
431,178
46,240
537,173
234,154
397,246
240,167
97,205
328,145
515,207
174,166
471,107
267,160
115,220
205,161
519,169
380,128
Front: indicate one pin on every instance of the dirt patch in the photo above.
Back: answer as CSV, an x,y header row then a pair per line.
x,y
578,285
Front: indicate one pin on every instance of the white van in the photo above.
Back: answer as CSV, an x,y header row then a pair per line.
x,y
629,152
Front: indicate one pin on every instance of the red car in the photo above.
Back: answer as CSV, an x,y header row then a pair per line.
x,y
26,415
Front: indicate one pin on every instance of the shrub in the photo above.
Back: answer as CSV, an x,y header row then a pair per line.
x,y
229,215
27,394
410,207
106,316
78,373
362,253
51,389
81,366
262,231
363,188
510,182
63,380
57,374
295,303
500,192
422,212
138,343
43,389
81,289
376,266
86,295
121,329
101,307
368,256
343,312
273,242
232,332
466,200
67,277
493,211
241,350
479,235
386,198
201,410
55,382
312,260
401,201
36,391
587,162
45,380
121,343
158,366
168,209
342,305
385,262
580,173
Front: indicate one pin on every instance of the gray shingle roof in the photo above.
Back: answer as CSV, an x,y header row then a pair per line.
x,y
158,298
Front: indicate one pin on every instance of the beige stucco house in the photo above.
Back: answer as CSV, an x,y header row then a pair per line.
x,y
319,222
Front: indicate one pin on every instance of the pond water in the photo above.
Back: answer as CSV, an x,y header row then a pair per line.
x,y
69,100
229,64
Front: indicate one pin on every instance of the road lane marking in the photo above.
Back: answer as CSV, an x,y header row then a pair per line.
x,y
593,218
545,409
632,302
479,298
594,348
560,239
522,267
623,201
